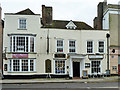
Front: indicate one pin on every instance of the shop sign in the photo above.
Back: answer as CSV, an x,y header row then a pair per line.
x,y
19,55
87,65
60,55
95,56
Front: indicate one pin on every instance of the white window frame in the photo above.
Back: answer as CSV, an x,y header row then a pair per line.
x,y
60,47
71,47
55,68
11,48
92,46
19,27
103,47
10,67
100,66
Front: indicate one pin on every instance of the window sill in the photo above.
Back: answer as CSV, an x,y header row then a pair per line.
x,y
61,74
21,52
21,29
90,53
59,52
22,72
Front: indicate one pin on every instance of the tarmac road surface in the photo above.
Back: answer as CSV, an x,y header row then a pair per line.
x,y
62,86
68,89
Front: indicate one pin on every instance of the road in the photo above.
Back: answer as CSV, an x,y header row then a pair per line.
x,y
62,86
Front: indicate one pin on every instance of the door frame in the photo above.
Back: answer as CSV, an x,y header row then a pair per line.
x,y
77,67
78,58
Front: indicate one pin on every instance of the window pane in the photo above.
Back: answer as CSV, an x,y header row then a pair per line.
x,y
31,65
24,65
10,44
59,45
10,65
72,46
14,44
26,44
16,65
95,67
22,23
31,44
20,44
101,46
59,67
89,47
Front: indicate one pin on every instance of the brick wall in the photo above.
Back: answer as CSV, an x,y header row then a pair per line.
x,y
46,15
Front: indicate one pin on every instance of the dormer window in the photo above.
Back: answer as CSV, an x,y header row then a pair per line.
x,y
71,25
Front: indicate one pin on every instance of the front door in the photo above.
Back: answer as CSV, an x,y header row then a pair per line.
x,y
76,69
48,66
118,69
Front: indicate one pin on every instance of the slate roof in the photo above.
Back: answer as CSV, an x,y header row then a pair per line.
x,y
26,12
23,12
61,24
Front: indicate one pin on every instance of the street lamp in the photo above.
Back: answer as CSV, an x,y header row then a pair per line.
x,y
108,71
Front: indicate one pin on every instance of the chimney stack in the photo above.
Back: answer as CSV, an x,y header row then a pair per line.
x,y
46,15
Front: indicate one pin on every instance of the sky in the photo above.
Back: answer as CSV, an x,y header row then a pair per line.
x,y
76,10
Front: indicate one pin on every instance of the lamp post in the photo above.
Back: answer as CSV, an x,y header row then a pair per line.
x,y
108,71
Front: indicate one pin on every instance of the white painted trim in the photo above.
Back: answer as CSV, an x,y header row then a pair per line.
x,y
82,66
20,61
20,64
25,44
61,47
55,67
34,44
19,23
69,46
8,69
72,25
11,65
98,46
34,65
12,43
15,44
100,66
92,46
28,43
28,64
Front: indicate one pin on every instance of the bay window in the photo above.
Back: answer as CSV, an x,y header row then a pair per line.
x,y
21,65
20,43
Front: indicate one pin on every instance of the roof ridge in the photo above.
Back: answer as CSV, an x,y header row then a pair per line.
x,y
26,11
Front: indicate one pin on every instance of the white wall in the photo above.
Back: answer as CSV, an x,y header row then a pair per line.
x,y
33,27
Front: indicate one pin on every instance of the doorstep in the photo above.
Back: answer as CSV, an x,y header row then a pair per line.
x,y
76,78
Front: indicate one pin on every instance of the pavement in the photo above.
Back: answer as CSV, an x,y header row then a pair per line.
x,y
60,80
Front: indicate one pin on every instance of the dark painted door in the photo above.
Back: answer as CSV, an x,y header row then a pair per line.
x,y
118,69
48,66
76,69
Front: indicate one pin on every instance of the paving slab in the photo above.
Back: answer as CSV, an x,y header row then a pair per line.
x,y
62,80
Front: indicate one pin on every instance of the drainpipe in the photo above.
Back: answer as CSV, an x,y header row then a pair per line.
x,y
107,71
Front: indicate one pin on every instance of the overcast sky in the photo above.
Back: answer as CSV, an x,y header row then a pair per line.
x,y
76,10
